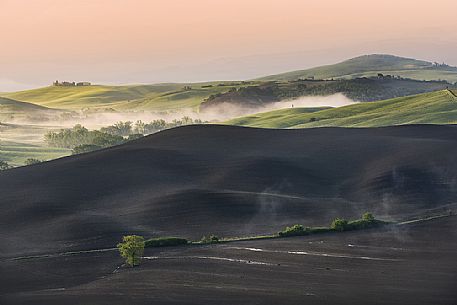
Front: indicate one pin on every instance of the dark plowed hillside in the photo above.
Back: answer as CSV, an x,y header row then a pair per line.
x,y
226,180
406,265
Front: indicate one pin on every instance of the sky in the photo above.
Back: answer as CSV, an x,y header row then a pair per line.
x,y
150,41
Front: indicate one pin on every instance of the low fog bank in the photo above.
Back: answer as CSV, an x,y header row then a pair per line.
x,y
226,111
335,100
95,119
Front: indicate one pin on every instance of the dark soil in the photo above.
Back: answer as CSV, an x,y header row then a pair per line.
x,y
232,181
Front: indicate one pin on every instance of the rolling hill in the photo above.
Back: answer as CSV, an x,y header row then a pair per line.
x,y
438,107
159,97
371,65
12,109
17,153
232,181
219,179
172,97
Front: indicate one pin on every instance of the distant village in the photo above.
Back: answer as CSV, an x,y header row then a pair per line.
x,y
70,84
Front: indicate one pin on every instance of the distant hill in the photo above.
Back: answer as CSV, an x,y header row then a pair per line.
x,y
438,107
13,109
7,104
175,96
371,65
358,89
159,97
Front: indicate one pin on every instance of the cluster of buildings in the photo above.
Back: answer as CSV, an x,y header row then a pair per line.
x,y
70,84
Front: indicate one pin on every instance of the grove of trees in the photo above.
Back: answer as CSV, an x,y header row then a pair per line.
x,y
80,139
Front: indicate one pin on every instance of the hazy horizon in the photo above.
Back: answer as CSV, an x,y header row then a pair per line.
x,y
140,41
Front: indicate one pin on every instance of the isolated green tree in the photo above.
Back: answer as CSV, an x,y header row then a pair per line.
x,y
131,249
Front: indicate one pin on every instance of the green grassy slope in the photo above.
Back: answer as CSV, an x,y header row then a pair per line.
x,y
160,97
438,107
10,105
371,65
282,118
16,153
20,142
12,109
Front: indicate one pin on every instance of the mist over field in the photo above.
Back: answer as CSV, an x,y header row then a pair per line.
x,y
217,113
225,111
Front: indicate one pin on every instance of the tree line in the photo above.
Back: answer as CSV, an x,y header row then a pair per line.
x,y
80,139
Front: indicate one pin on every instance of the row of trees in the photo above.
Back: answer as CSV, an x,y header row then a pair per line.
x,y
338,224
139,127
79,135
81,140
30,161
132,246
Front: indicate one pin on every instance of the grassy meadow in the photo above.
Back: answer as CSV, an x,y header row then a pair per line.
x,y
160,97
371,65
438,107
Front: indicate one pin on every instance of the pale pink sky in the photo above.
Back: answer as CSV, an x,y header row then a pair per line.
x,y
127,41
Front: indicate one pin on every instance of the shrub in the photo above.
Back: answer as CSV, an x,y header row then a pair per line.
x,y
317,230
367,221
339,224
368,217
211,239
135,136
132,248
295,230
31,161
80,149
165,242
4,165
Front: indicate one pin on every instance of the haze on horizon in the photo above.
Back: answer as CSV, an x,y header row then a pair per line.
x,y
143,41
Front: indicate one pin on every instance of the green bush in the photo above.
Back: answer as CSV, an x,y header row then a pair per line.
x,y
31,161
339,224
295,230
4,165
165,242
211,239
317,230
367,221
80,149
368,217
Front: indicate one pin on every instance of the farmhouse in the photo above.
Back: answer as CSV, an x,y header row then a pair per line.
x,y
83,84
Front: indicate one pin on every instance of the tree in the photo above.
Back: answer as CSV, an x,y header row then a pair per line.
x,y
131,249
368,217
31,161
139,127
4,165
80,149
212,239
295,230
135,136
339,224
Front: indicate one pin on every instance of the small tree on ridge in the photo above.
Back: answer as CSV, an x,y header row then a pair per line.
x,y
132,248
